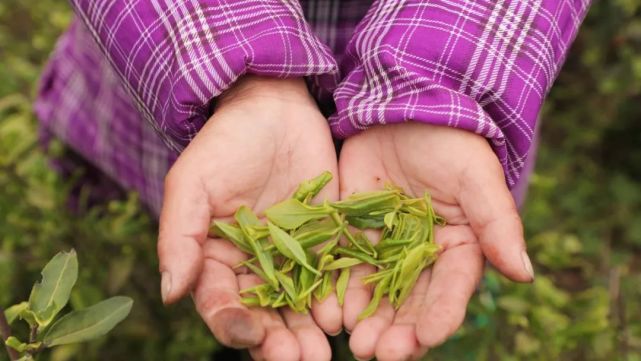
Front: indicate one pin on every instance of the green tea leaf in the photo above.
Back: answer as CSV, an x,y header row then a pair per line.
x,y
397,282
231,233
289,247
250,301
344,262
16,344
379,291
263,294
388,243
325,287
314,233
14,311
365,244
246,218
413,264
292,213
88,323
357,254
280,300
328,247
257,271
288,265
20,346
307,292
375,277
29,316
266,263
288,285
51,294
310,188
250,225
341,285
305,280
389,219
325,260
362,204
364,222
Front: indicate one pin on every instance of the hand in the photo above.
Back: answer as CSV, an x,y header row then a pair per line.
x,y
265,137
465,179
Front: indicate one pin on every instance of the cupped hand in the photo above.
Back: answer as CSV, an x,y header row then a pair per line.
x,y
466,182
265,137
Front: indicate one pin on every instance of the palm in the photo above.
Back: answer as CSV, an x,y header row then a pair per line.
x,y
258,160
254,151
443,162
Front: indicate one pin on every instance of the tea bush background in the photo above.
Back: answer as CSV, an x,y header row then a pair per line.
x,y
582,218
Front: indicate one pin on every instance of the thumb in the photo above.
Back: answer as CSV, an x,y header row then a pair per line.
x,y
493,215
184,221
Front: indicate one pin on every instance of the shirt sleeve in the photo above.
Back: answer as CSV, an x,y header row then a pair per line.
x,y
482,66
174,56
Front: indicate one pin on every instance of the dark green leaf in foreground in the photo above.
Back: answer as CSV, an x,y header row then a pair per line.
x,y
88,323
51,294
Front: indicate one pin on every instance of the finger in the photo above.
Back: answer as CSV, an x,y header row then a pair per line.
x,y
218,302
367,332
279,342
224,252
184,220
399,341
328,314
454,278
311,339
357,295
493,215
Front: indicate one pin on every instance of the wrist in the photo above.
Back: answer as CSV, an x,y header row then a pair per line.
x,y
251,88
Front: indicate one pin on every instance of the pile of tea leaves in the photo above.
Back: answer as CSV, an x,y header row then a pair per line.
x,y
299,247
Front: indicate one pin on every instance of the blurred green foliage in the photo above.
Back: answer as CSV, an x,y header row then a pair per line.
x,y
583,215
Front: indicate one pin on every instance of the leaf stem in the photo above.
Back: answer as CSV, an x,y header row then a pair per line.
x,y
34,334
5,332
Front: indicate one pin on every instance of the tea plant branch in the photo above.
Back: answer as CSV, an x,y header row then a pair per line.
x,y
48,297
5,332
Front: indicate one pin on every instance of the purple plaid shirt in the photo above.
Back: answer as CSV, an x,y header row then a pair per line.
x,y
130,83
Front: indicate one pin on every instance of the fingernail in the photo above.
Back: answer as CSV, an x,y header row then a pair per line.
x,y
336,333
527,264
361,359
165,286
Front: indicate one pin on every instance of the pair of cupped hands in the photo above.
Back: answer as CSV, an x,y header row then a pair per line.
x,y
265,137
